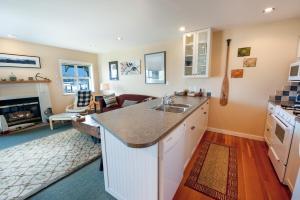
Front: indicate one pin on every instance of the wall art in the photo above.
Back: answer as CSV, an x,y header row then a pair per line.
x,y
245,51
250,62
22,61
237,73
130,67
113,70
155,68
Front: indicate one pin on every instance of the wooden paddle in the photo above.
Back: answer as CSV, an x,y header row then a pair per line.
x,y
225,84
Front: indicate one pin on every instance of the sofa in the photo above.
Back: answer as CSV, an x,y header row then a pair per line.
x,y
121,99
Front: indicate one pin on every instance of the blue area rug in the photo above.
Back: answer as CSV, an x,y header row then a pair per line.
x,y
85,184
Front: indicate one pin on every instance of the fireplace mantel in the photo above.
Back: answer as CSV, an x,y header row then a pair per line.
x,y
25,81
24,89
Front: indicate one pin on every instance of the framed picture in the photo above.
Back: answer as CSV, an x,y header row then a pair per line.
x,y
113,70
237,73
245,51
22,61
155,68
131,67
249,62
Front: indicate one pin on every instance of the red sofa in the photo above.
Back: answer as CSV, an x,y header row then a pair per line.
x,y
121,99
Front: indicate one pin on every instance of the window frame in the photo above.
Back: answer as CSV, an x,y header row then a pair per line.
x,y
76,77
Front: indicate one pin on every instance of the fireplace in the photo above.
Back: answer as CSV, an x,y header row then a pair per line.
x,y
21,111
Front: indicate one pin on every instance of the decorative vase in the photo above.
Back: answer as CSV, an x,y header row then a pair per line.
x,y
12,77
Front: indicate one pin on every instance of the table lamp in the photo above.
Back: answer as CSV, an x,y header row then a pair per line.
x,y
104,87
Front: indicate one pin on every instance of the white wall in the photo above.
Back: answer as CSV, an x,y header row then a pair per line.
x,y
50,67
274,45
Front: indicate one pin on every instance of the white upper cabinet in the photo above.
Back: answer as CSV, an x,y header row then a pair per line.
x,y
197,52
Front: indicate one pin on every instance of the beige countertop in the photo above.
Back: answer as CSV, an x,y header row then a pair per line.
x,y
140,126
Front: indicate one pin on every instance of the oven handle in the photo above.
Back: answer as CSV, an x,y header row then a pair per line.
x,y
274,153
279,121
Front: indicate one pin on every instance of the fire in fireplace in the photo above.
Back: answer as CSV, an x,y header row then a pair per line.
x,y
21,111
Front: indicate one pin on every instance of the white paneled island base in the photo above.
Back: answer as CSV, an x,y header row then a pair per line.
x,y
155,171
129,173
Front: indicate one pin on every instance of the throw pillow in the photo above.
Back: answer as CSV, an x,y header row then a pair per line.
x,y
110,100
128,103
83,98
148,99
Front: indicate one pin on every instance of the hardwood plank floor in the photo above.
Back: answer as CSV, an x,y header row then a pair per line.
x,y
256,176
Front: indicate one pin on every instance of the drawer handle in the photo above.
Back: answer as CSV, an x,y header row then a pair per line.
x,y
268,129
205,113
193,127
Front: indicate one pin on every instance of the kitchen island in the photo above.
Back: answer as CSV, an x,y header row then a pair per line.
x,y
145,150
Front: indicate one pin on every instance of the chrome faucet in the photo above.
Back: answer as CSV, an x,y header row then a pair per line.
x,y
167,100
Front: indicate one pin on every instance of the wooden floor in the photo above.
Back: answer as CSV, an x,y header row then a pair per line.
x,y
256,177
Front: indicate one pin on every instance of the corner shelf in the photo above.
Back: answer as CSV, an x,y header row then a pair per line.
x,y
25,81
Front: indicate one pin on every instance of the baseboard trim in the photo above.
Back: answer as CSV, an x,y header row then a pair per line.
x,y
235,133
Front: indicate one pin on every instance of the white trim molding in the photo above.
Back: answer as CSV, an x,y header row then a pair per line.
x,y
235,133
76,77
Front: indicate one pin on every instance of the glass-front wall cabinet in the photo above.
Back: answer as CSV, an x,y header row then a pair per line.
x,y
197,47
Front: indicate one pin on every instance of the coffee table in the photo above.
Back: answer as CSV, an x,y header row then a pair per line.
x,y
61,117
88,126
91,127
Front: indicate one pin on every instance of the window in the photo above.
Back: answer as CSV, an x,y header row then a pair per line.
x,y
76,76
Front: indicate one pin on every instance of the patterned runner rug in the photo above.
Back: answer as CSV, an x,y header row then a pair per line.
x,y
215,172
27,168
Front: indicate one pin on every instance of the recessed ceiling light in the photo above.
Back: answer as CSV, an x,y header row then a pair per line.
x,y
182,28
119,38
268,10
11,36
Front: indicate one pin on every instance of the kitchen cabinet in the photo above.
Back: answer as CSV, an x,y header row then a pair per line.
x,y
177,148
294,159
197,53
269,123
171,163
195,127
151,169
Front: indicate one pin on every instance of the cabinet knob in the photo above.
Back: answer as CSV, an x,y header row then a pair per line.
x,y
193,127
268,129
202,108
205,113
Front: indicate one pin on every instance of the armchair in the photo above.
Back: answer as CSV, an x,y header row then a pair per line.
x,y
83,103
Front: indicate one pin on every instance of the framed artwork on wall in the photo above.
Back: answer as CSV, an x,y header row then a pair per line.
x,y
249,62
113,70
20,61
155,68
132,67
237,73
245,51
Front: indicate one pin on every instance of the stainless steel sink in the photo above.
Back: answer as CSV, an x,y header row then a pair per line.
x,y
175,108
180,105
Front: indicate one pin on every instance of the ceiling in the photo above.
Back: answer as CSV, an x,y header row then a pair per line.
x,y
94,25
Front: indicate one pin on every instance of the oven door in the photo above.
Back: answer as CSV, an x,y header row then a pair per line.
x,y
281,139
294,74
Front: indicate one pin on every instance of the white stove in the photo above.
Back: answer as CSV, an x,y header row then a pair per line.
x,y
281,138
287,114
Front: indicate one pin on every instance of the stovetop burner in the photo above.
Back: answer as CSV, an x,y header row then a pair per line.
x,y
296,112
295,108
